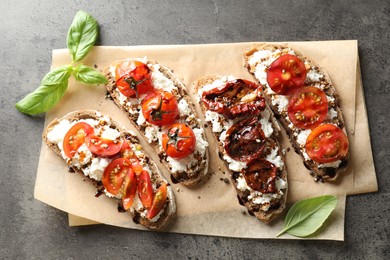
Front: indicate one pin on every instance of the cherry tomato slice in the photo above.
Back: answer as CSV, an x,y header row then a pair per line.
x,y
308,107
327,143
159,201
129,189
160,108
179,141
145,189
286,74
235,99
133,78
260,175
128,153
102,146
115,174
75,137
245,140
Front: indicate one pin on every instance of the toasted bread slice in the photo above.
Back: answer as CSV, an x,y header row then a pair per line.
x,y
265,206
91,166
189,170
257,60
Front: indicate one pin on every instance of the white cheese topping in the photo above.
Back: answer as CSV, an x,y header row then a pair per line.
x,y
275,158
181,165
57,134
241,183
184,108
151,133
82,156
331,114
234,165
110,133
141,119
281,101
96,169
160,81
215,120
266,125
314,76
201,143
302,137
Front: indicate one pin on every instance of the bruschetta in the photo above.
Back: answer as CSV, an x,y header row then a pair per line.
x,y
304,100
110,157
158,105
247,137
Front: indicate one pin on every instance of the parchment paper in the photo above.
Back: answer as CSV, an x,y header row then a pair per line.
x,y
211,208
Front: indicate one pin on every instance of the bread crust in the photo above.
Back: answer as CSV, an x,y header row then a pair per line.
x,y
169,211
317,170
254,209
187,177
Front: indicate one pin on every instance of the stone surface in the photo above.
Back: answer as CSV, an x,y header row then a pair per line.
x,y
31,29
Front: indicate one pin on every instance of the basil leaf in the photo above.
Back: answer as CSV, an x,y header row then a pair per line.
x,y
82,35
47,95
57,76
88,75
307,216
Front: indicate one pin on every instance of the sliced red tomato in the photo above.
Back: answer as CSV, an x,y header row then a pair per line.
x,y
245,140
129,189
75,137
327,143
128,153
179,141
160,108
115,174
101,146
133,78
235,99
286,74
159,201
145,189
260,175
308,107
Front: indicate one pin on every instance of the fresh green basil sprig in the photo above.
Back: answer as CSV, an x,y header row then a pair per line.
x,y
307,216
81,37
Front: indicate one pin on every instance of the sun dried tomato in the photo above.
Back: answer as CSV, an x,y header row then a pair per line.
x,y
235,99
245,140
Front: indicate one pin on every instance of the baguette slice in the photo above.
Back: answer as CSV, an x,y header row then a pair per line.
x,y
264,206
189,170
257,60
91,167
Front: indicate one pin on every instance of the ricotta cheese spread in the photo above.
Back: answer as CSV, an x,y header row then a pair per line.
x,y
220,124
261,60
91,165
153,133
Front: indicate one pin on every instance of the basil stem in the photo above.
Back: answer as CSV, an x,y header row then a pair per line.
x,y
88,75
82,35
307,216
52,89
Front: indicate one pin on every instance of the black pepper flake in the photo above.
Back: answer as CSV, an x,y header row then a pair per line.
x,y
243,213
95,66
198,197
120,208
288,149
226,180
205,125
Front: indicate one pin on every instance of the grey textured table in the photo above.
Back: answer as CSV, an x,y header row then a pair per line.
x,y
31,29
